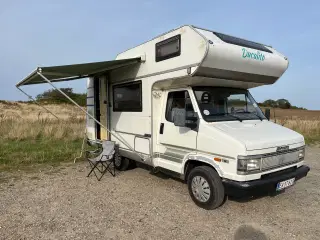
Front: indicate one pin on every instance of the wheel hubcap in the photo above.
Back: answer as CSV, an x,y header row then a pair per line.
x,y
200,189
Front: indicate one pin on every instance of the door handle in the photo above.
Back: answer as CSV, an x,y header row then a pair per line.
x,y
161,128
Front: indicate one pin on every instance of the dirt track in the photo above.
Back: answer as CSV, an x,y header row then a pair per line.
x,y
65,204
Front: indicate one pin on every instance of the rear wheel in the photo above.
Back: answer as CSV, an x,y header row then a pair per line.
x,y
205,187
122,163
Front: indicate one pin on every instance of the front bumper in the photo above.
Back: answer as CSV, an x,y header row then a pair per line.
x,y
266,184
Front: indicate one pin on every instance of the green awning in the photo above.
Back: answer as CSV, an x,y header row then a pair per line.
x,y
75,71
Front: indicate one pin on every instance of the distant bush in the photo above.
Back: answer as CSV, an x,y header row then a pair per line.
x,y
54,96
8,103
280,103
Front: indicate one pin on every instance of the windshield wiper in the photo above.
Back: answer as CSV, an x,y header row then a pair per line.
x,y
234,117
255,115
226,114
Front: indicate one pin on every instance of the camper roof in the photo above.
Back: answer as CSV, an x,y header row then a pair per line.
x,y
226,37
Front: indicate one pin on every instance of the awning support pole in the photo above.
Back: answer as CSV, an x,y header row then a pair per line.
x,y
35,101
88,114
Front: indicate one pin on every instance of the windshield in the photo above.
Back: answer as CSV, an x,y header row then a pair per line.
x,y
227,104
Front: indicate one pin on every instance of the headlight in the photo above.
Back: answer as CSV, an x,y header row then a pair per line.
x,y
247,165
301,154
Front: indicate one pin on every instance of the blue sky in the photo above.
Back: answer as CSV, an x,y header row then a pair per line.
x,y
56,32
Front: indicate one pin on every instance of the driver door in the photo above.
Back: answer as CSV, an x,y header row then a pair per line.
x,y
174,142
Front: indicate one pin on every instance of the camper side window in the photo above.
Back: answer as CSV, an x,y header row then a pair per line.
x,y
127,97
176,100
168,48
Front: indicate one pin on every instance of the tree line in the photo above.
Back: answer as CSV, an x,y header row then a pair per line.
x,y
54,96
280,103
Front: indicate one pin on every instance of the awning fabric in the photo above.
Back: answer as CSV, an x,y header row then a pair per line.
x,y
75,71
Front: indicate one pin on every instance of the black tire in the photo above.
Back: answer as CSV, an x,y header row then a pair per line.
x,y
122,163
216,195
132,164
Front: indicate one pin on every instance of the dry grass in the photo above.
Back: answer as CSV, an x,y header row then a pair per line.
x,y
310,129
306,122
20,121
21,129
27,111
294,114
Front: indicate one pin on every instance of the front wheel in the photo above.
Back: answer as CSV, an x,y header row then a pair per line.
x,y
205,187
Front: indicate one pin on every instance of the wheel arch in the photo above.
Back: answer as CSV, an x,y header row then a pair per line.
x,y
191,163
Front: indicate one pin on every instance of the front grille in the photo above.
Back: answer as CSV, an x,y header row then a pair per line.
x,y
287,158
279,173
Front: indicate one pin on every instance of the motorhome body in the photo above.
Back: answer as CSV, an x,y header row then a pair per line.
x,y
180,103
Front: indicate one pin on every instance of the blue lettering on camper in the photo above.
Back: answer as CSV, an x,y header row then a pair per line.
x,y
257,55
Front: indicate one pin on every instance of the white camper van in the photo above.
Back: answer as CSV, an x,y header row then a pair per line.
x,y
181,103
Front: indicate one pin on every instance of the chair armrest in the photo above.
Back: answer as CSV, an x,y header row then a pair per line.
x,y
93,152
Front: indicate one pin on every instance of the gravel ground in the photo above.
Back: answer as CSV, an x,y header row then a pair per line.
x,y
64,204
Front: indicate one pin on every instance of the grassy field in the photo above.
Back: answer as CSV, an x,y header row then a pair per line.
x,y
295,114
30,136
31,154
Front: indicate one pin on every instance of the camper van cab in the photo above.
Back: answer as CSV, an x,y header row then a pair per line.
x,y
181,104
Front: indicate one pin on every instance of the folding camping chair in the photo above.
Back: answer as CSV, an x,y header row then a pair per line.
x,y
105,158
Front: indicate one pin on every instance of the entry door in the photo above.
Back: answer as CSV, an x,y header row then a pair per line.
x,y
100,106
103,100
175,142
91,124
97,106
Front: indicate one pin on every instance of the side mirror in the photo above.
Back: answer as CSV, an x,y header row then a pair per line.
x,y
191,116
179,117
185,117
267,113
188,106
191,121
